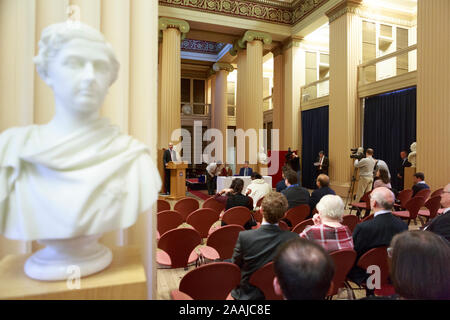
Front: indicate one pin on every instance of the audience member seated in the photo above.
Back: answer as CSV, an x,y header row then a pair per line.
x,y
258,188
294,193
376,232
246,170
226,171
327,229
322,183
419,266
303,271
255,248
233,197
419,183
382,179
280,186
441,224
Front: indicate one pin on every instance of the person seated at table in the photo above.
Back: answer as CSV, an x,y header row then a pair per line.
x,y
233,197
258,188
226,171
246,170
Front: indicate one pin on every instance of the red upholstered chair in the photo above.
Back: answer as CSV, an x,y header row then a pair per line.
x,y
162,205
178,295
212,203
167,220
212,281
424,193
412,209
350,221
433,204
260,200
220,244
369,217
302,225
404,196
437,192
283,225
185,206
177,247
363,204
237,215
297,214
250,202
343,262
202,220
263,280
258,216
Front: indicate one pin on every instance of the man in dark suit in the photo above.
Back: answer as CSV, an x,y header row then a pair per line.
x,y
322,163
246,170
401,171
294,194
376,232
441,224
169,155
419,183
322,183
255,248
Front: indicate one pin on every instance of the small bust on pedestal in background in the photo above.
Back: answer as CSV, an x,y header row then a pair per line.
x,y
412,154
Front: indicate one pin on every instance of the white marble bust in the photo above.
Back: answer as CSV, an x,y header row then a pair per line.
x,y
78,175
412,154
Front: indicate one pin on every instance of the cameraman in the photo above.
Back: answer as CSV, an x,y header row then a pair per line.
x,y
366,166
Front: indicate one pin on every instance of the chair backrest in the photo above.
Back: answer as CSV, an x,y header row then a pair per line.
x,y
167,220
202,220
212,203
263,280
260,200
343,262
297,214
302,225
258,216
425,193
369,217
404,196
283,225
237,215
179,244
185,206
376,257
213,281
350,221
162,205
433,204
250,202
437,192
224,240
413,206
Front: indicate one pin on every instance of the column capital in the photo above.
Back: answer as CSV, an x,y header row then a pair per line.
x,y
292,42
183,26
222,66
254,35
346,6
211,73
234,51
277,51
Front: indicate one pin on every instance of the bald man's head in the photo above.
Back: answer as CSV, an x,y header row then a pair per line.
x,y
383,197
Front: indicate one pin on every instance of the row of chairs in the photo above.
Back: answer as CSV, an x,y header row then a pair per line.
x,y
215,281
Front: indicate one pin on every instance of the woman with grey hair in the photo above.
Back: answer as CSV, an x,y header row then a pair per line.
x,y
327,229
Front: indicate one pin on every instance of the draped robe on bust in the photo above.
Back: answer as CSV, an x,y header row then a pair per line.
x,y
91,181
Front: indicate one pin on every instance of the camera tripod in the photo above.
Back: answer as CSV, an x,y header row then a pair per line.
x,y
351,190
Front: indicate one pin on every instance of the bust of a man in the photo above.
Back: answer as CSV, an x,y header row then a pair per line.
x,y
412,154
77,175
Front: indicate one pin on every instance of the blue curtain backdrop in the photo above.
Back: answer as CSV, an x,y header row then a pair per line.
x,y
390,126
314,139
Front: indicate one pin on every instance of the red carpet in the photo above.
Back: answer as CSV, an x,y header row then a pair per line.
x,y
201,194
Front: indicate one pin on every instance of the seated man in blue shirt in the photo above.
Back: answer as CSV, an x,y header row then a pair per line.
x,y
246,170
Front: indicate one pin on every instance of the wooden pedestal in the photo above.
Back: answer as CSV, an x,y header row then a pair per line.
x,y
177,180
408,177
123,279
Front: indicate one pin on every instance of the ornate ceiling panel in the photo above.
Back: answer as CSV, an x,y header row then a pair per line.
x,y
280,12
200,46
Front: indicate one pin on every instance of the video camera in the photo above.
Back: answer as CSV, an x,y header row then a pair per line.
x,y
357,153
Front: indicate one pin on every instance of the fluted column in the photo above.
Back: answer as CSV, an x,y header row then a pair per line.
x,y
344,127
241,89
90,11
294,78
172,30
47,12
219,112
278,87
433,94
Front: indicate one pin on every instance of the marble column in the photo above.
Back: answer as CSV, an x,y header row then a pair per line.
x,y
433,94
219,112
90,11
278,92
344,109
172,30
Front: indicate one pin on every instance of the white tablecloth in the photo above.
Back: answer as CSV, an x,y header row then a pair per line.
x,y
225,182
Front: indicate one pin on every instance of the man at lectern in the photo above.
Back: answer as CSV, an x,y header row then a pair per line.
x,y
169,155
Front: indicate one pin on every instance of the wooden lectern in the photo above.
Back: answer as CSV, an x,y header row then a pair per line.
x,y
408,180
177,180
